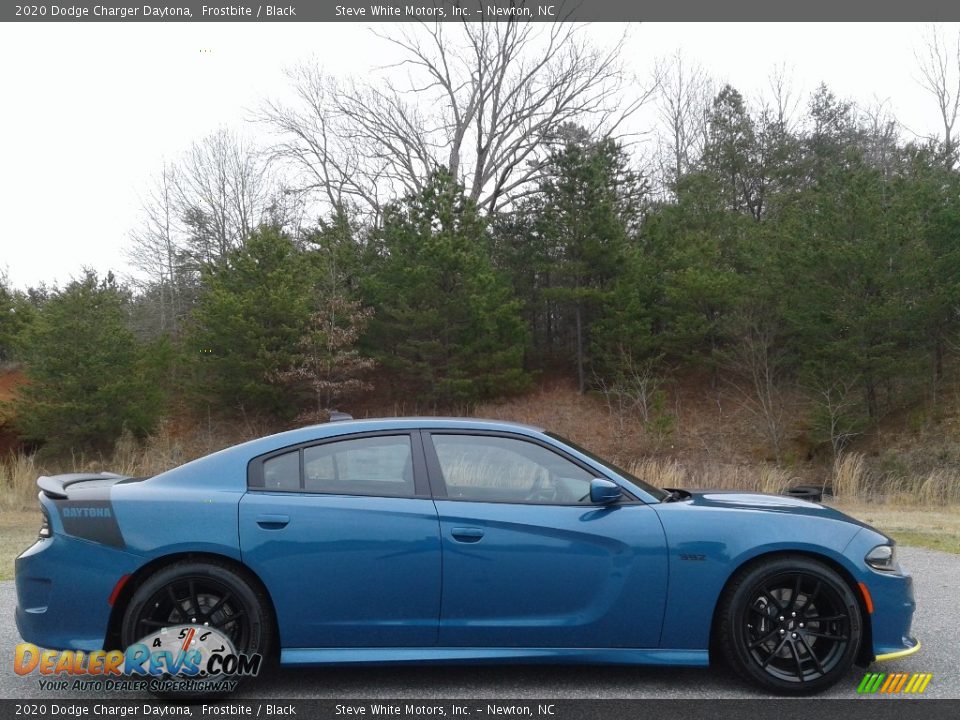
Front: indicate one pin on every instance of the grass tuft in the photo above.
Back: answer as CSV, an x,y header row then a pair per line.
x,y
849,476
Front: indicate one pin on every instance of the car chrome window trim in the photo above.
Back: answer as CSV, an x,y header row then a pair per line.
x,y
421,487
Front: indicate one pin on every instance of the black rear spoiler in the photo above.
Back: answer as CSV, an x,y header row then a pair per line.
x,y
55,486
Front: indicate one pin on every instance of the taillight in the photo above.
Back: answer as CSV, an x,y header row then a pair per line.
x,y
45,530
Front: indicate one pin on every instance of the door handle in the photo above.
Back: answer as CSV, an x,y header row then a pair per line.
x,y
467,534
273,522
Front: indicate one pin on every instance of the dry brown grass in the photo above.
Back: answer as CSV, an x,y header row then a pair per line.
x,y
161,451
18,478
559,408
18,531
671,473
849,476
854,479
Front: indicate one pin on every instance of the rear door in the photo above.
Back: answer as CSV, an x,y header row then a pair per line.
x,y
528,561
346,538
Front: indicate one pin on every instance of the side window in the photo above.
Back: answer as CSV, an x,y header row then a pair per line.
x,y
362,466
497,469
282,472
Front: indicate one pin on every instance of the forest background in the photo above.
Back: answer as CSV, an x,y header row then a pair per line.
x,y
756,293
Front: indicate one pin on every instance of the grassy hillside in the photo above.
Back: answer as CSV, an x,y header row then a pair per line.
x,y
903,477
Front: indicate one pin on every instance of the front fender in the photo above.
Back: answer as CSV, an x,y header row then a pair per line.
x,y
707,545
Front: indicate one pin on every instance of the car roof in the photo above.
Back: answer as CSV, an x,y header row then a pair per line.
x,y
232,461
342,427
322,431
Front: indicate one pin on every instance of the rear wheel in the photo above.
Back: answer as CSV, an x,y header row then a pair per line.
x,y
205,594
791,625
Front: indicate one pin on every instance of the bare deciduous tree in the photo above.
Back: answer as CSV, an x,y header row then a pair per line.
x,y
683,103
194,213
154,250
881,137
785,101
481,99
223,192
939,65
837,401
756,374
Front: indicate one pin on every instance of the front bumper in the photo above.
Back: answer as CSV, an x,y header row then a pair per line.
x,y
892,617
900,653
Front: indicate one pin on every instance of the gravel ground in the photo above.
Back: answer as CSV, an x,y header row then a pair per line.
x,y
936,577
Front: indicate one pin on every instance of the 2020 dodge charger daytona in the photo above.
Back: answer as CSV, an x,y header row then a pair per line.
x,y
449,540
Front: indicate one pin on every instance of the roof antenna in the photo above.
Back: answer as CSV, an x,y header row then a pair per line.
x,y
337,416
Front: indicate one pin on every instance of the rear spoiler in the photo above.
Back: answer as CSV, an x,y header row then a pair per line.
x,y
55,486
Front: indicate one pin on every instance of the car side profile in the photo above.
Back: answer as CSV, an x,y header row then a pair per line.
x,y
426,540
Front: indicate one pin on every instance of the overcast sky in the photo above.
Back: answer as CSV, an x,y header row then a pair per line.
x,y
90,112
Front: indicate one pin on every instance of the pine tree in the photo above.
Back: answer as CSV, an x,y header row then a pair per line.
x,y
87,377
588,218
246,327
446,322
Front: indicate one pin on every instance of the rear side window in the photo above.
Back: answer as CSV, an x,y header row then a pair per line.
x,y
282,472
365,466
380,466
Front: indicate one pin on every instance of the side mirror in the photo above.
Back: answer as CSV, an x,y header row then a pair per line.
x,y
604,492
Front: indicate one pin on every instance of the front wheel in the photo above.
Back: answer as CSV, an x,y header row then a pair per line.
x,y
791,625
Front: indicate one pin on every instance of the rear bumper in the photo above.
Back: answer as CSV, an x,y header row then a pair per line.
x,y
63,589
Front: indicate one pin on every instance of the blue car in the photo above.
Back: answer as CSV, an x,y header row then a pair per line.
x,y
423,540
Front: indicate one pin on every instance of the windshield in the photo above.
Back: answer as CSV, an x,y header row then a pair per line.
x,y
658,493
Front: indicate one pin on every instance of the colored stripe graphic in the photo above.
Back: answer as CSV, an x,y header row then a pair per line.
x,y
912,683
891,680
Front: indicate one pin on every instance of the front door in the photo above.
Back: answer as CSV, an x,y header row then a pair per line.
x,y
528,561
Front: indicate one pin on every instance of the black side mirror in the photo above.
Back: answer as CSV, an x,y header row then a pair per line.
x,y
604,492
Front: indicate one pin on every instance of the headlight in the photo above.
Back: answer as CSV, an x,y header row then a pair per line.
x,y
883,558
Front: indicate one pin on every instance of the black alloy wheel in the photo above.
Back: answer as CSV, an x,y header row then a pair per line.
x,y
791,625
207,594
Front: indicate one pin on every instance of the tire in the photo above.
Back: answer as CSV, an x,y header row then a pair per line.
x,y
790,624
240,608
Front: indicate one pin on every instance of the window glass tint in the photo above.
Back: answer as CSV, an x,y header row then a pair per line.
x,y
363,466
498,469
282,472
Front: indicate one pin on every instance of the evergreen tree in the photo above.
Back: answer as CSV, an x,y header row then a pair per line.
x,y
849,303
446,322
87,376
16,312
247,325
589,216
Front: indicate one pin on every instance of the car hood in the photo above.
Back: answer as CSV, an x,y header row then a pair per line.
x,y
761,502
